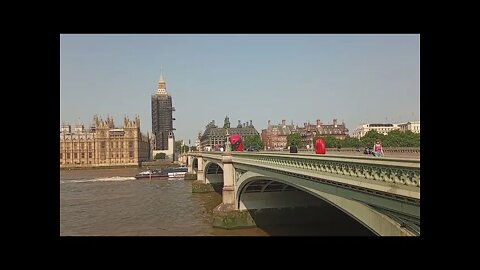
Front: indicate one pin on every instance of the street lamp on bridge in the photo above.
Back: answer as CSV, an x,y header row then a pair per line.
x,y
228,147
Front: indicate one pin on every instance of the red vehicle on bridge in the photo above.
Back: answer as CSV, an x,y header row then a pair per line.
x,y
236,142
320,146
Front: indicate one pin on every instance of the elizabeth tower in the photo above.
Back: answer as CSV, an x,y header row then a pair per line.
x,y
162,121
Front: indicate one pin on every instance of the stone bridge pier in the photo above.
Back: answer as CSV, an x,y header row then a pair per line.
x,y
226,215
190,164
201,185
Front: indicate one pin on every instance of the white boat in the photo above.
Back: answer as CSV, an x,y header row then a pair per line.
x,y
176,172
150,174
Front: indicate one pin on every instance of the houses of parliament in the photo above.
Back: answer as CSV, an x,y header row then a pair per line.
x,y
103,144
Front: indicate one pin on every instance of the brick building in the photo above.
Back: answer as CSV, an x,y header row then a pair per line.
x,y
275,136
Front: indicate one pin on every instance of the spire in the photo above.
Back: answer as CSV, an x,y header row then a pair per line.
x,y
162,85
161,76
226,123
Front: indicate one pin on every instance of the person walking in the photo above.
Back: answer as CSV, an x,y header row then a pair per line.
x,y
378,149
293,149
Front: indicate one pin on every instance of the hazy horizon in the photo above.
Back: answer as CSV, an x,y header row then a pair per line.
x,y
353,78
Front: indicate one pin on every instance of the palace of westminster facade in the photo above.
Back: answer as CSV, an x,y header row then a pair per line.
x,y
103,144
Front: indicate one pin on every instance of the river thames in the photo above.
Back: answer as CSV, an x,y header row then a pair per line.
x,y
111,202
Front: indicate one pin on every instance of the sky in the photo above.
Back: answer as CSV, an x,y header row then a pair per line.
x,y
361,78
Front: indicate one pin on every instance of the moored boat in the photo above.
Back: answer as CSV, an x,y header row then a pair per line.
x,y
176,172
151,174
164,173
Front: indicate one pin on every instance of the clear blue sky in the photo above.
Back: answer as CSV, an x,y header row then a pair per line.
x,y
355,78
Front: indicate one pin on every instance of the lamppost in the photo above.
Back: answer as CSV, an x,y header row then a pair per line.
x,y
228,147
313,137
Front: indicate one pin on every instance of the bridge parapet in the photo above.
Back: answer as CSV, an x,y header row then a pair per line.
x,y
415,150
399,171
394,170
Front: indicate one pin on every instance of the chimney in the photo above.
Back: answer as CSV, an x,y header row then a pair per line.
x,y
318,123
268,122
251,123
283,122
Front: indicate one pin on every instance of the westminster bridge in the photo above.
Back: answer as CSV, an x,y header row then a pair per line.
x,y
382,194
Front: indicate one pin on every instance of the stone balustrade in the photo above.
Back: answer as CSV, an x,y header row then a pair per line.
x,y
395,170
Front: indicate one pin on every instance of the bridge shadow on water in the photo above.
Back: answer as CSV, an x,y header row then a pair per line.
x,y
308,221
322,219
218,187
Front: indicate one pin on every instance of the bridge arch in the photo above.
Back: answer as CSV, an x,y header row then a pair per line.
x,y
213,172
378,223
195,164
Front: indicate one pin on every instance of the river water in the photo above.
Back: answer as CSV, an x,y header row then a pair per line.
x,y
111,202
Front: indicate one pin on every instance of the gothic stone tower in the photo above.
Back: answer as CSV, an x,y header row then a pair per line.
x,y
162,121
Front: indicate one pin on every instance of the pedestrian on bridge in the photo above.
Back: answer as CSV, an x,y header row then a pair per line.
x,y
378,149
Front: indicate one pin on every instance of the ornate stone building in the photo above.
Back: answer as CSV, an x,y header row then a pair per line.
x,y
214,137
381,128
162,120
413,126
308,131
103,144
275,136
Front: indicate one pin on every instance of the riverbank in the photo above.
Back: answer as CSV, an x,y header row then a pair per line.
x,y
98,167
157,164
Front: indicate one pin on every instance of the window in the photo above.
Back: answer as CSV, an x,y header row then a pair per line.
x,y
61,156
74,155
130,154
68,155
90,155
83,155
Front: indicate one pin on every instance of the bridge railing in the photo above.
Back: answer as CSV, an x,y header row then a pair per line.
x,y
400,171
385,149
415,150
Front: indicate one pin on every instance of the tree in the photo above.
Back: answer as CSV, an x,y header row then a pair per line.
x,y
160,156
254,140
350,142
330,141
178,146
394,138
370,137
294,139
